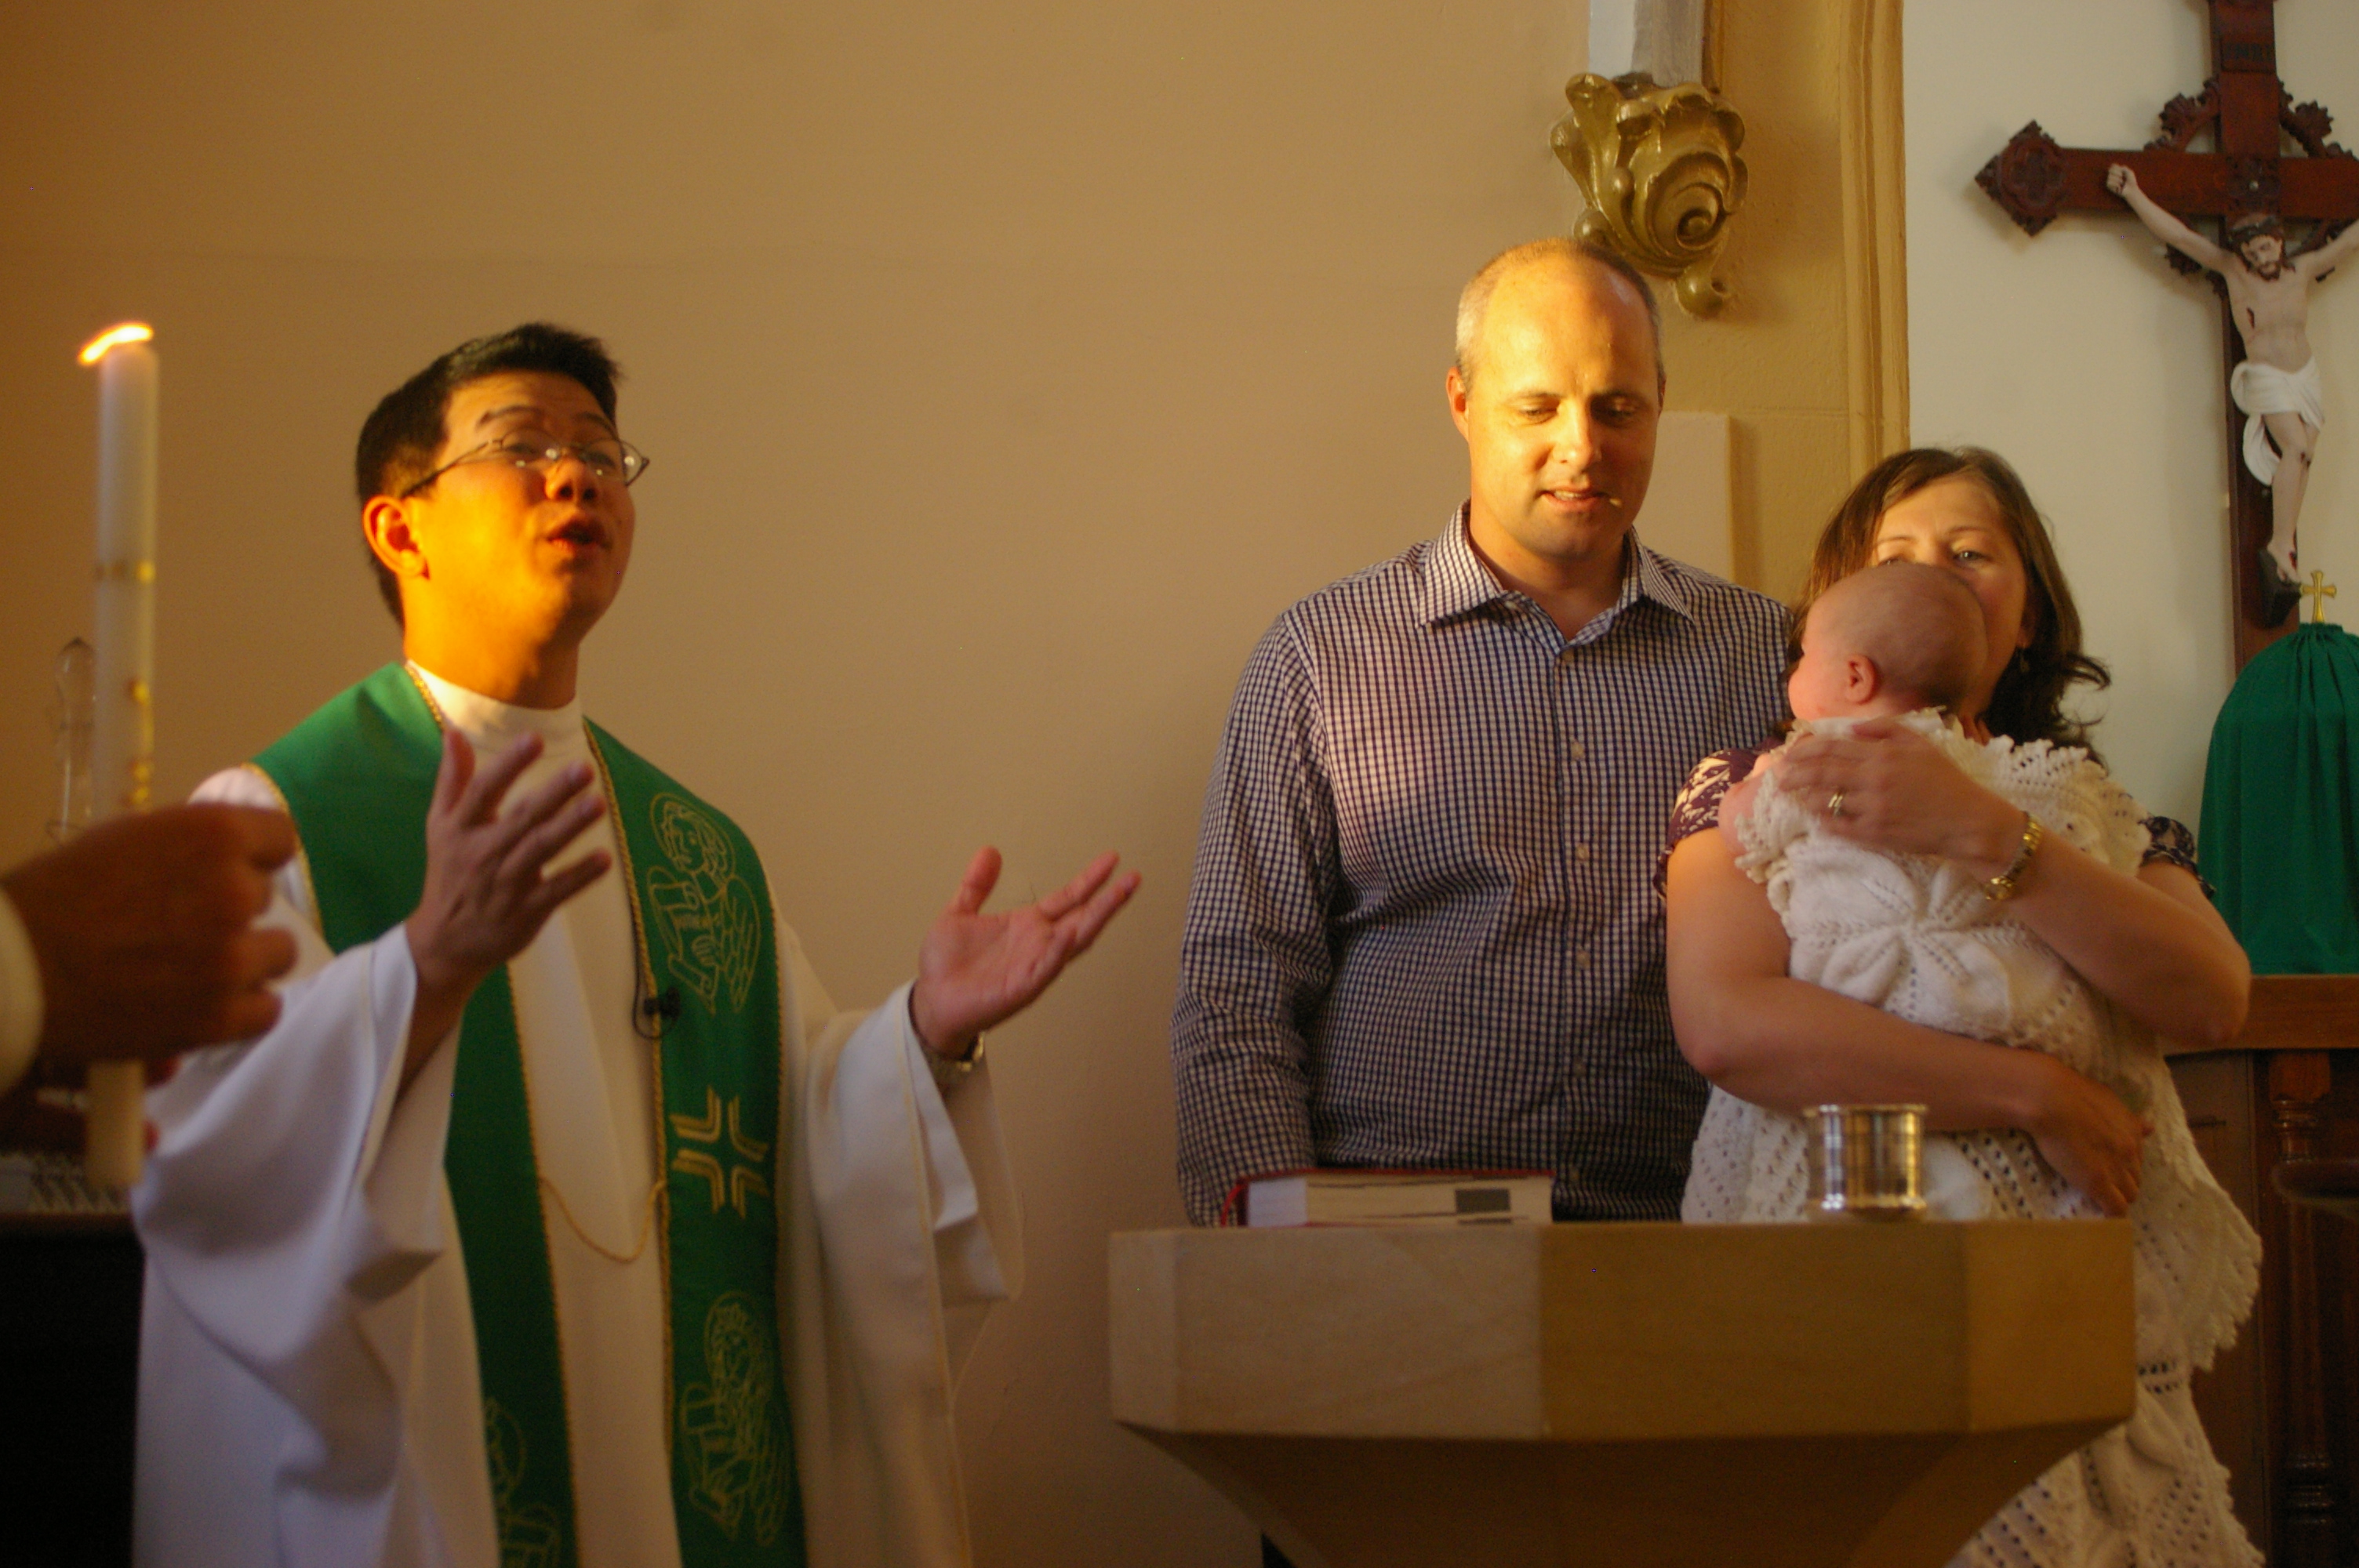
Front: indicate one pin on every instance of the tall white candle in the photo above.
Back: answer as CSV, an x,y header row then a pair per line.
x,y
122,737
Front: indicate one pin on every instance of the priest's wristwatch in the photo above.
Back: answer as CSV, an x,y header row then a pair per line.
x,y
950,1071
947,1070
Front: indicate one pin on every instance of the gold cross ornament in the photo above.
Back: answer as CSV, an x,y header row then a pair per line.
x,y
2317,590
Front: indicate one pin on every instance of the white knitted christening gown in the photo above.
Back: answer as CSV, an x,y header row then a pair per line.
x,y
1915,936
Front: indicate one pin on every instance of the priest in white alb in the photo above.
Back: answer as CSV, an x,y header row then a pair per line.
x,y
560,1220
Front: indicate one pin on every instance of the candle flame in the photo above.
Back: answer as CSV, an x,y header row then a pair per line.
x,y
114,337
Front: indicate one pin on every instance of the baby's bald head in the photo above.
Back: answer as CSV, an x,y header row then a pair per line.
x,y
1888,640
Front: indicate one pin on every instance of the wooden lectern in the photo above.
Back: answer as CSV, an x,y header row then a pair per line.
x,y
1631,1395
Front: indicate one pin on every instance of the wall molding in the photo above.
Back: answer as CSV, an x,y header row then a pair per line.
x,y
1876,232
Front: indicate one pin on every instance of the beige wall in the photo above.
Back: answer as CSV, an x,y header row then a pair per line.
x,y
1774,360
1005,370
2095,369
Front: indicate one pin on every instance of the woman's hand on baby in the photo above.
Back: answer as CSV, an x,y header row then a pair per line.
x,y
1891,789
2085,1131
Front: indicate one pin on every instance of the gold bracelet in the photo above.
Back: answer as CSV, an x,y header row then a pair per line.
x,y
2003,886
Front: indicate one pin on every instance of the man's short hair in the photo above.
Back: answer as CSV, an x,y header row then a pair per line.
x,y
400,438
1921,626
1474,299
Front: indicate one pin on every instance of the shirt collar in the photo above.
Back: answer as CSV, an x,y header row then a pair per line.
x,y
490,724
1457,583
1659,584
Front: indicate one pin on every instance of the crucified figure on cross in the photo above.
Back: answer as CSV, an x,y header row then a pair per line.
x,y
2278,384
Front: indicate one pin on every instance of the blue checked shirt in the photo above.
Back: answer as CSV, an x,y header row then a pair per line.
x,y
1422,930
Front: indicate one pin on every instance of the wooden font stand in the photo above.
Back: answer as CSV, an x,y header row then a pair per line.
x,y
1624,1396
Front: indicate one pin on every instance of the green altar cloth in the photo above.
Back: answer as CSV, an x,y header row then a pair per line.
x,y
2280,830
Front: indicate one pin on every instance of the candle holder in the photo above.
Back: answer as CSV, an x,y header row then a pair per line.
x,y
74,721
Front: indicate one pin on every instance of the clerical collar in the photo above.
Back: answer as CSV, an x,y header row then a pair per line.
x,y
490,724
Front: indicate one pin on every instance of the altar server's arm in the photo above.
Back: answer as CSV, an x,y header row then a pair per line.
x,y
131,943
1255,957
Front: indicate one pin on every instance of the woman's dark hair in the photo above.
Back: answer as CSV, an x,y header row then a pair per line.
x,y
401,436
2028,704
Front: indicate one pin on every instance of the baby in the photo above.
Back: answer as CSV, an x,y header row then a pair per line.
x,y
1910,933
1877,645
1919,937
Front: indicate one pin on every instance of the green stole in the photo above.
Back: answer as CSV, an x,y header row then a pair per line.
x,y
358,776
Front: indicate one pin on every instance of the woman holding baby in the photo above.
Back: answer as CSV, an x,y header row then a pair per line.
x,y
1988,824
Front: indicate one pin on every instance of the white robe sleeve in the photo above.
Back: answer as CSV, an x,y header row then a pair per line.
x,y
978,1257
913,1233
295,1192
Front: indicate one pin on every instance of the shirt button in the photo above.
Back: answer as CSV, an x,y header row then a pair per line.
x,y
1564,656
1580,852
1579,750
1580,959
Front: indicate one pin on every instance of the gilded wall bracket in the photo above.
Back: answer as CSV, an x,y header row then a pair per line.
x,y
1658,166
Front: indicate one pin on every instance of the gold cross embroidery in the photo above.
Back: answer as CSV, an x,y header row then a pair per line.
x,y
732,1184
2317,590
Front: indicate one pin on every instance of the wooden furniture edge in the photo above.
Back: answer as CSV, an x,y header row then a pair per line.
x,y
1874,231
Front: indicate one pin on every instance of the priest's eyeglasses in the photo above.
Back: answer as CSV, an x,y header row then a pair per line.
x,y
611,458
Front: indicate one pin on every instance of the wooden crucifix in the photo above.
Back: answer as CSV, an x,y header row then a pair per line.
x,y
2249,115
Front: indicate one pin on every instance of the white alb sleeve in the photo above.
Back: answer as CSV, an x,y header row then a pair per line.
x,y
296,1187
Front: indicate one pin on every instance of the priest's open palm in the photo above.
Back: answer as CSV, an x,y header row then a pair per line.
x,y
975,971
488,891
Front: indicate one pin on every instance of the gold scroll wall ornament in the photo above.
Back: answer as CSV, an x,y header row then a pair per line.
x,y
1659,167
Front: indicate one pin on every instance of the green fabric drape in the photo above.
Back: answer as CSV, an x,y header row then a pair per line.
x,y
2280,831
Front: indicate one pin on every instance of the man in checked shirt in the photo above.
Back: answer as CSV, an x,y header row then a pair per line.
x,y
1423,930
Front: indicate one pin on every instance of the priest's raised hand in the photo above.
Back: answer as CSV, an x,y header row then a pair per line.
x,y
975,971
488,886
